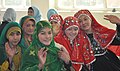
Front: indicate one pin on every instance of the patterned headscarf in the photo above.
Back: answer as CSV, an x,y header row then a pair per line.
x,y
10,27
9,15
102,34
79,53
56,18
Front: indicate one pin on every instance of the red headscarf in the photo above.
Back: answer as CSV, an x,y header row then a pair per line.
x,y
103,35
57,18
81,52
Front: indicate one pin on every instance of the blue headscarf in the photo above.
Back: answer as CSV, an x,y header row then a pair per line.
x,y
51,12
37,13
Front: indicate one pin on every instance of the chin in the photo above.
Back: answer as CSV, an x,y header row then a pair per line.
x,y
46,44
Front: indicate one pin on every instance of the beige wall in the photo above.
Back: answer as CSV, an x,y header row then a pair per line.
x,y
44,5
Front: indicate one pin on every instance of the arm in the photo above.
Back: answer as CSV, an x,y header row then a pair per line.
x,y
114,20
64,55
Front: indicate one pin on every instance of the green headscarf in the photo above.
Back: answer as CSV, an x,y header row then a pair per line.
x,y
30,59
3,37
25,19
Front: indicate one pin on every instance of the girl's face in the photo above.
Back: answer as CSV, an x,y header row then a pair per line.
x,y
45,36
29,27
71,32
85,23
14,38
30,12
56,27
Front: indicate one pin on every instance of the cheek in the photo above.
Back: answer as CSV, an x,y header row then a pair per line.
x,y
67,33
40,37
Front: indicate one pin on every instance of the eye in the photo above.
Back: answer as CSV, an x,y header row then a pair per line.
x,y
76,28
18,33
69,29
43,33
33,25
50,32
28,25
11,34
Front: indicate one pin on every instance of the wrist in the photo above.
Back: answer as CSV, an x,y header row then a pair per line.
x,y
40,66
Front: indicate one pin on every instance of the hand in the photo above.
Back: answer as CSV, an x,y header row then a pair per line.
x,y
113,19
9,51
64,55
42,53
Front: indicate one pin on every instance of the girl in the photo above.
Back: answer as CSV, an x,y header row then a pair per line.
x,y
10,49
43,54
100,38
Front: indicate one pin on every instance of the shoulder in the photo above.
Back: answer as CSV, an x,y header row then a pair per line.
x,y
58,45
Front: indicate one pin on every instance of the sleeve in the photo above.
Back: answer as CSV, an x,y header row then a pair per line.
x,y
29,61
116,40
4,63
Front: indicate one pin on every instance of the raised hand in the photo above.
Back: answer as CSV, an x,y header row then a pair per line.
x,y
112,18
10,52
64,55
42,53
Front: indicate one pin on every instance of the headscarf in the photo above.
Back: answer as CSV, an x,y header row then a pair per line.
x,y
23,21
7,30
102,35
81,52
56,18
37,13
51,12
26,19
9,15
53,63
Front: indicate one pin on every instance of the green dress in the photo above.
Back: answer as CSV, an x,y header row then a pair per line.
x,y
30,59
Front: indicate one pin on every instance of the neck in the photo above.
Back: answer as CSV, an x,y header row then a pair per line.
x,y
28,37
89,31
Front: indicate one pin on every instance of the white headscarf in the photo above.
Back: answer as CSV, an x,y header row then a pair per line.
x,y
9,15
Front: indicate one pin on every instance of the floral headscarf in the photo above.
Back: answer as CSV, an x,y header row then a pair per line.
x,y
79,53
102,34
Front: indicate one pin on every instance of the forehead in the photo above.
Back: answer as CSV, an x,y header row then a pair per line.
x,y
73,26
45,29
84,16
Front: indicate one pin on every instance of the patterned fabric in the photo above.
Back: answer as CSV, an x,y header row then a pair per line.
x,y
80,53
4,61
56,18
30,58
102,35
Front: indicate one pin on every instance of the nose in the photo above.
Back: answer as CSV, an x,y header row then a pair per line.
x,y
47,35
15,36
31,27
